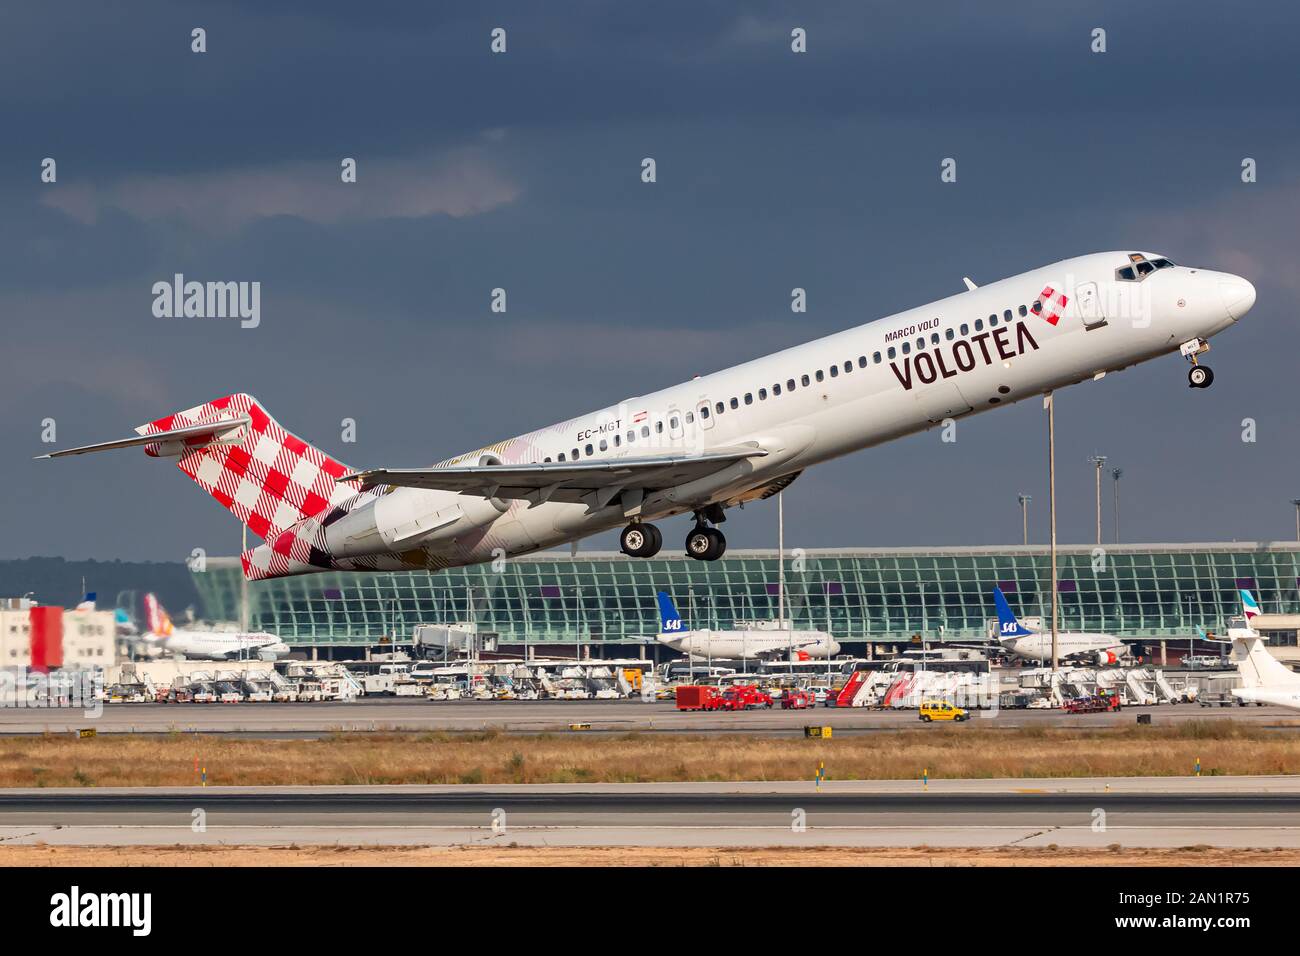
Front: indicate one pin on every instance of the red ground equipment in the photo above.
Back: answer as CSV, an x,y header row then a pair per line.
x,y
796,700
744,697
692,697
1094,704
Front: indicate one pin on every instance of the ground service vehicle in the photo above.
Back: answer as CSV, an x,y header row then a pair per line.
x,y
942,710
696,697
796,700
1092,704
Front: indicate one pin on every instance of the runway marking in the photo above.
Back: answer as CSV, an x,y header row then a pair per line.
x,y
615,826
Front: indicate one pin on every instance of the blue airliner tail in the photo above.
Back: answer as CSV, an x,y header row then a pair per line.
x,y
670,622
1008,626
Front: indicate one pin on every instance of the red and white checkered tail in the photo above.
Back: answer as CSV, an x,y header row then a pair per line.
x,y
266,477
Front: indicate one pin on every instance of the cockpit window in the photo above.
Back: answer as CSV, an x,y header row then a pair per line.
x,y
1141,267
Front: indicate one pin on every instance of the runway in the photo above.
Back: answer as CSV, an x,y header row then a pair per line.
x,y
1233,812
516,716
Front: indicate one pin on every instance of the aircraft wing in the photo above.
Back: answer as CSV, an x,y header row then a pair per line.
x,y
596,481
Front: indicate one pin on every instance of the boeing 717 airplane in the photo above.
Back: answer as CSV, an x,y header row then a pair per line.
x,y
707,445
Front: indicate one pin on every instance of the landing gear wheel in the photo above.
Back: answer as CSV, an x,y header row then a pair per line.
x,y
640,540
1199,376
705,544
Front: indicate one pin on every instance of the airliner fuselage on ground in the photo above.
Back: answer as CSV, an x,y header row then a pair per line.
x,y
743,643
706,445
1264,679
1020,641
208,645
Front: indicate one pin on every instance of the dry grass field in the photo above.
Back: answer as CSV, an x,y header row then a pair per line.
x,y
1223,747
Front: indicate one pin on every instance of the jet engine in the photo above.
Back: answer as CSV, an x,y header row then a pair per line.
x,y
407,518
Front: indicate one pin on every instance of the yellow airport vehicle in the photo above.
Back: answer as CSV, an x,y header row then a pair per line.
x,y
942,710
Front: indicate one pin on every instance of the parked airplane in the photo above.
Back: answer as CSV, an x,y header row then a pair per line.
x,y
208,645
741,644
707,445
1037,645
1264,679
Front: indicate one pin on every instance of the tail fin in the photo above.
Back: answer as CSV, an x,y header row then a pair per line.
x,y
88,602
265,476
670,622
268,478
157,622
1249,606
1008,626
1259,668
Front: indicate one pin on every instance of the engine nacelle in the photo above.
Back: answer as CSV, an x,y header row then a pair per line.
x,y
407,518
1106,657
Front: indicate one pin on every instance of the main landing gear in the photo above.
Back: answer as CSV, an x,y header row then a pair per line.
x,y
640,540
705,543
1198,376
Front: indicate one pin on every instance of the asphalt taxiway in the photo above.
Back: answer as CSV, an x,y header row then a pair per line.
x,y
1130,812
395,714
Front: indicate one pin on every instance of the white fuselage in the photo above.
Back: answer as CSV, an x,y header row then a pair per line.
x,y
746,644
1264,679
222,646
851,390
1038,646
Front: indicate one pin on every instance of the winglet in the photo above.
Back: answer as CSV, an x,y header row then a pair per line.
x,y
970,286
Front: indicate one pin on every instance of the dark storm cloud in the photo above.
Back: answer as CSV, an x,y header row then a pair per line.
x,y
521,171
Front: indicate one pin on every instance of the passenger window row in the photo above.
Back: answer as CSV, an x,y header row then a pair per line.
x,y
790,385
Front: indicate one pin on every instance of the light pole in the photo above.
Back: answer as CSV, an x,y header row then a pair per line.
x,y
1098,460
1116,474
1050,401
1296,502
1024,517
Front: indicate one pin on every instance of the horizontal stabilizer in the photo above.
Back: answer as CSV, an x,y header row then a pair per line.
x,y
225,429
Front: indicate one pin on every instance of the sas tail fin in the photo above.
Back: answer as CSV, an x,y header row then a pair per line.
x,y
1008,626
265,476
670,622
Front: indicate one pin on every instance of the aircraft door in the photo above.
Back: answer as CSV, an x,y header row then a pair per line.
x,y
1090,309
675,427
704,413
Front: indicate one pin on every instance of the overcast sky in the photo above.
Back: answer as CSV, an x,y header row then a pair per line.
x,y
522,171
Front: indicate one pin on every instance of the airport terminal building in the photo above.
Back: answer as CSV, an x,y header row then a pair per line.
x,y
873,600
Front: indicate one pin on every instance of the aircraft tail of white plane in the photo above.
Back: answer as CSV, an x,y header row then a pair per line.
x,y
1260,670
1257,667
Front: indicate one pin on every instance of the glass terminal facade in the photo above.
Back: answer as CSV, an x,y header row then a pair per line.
x,y
861,596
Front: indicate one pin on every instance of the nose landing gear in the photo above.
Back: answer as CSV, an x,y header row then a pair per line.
x,y
640,540
1198,376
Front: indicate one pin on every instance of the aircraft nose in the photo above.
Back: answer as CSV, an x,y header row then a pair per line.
x,y
1238,296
